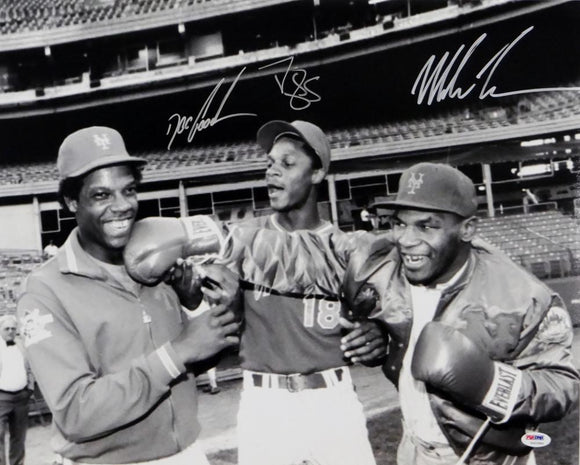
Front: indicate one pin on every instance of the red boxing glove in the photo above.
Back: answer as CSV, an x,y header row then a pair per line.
x,y
448,360
156,244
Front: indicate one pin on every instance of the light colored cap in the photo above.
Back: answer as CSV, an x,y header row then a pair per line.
x,y
91,148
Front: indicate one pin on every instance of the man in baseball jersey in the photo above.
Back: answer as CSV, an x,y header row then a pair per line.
x,y
298,404
476,344
111,356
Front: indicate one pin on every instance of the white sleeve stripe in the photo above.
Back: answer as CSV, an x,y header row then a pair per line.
x,y
168,362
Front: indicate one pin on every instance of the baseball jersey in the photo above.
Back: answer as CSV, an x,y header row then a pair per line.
x,y
291,325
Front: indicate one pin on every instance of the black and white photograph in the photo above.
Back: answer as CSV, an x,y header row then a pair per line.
x,y
289,232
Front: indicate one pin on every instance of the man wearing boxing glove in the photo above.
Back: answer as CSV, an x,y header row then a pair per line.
x,y
298,401
112,357
478,348
298,404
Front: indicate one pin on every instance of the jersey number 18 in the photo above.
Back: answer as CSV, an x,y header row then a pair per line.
x,y
324,312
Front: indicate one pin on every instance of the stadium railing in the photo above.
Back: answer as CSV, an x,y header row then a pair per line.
x,y
133,17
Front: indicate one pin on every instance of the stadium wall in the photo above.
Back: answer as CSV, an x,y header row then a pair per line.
x,y
21,227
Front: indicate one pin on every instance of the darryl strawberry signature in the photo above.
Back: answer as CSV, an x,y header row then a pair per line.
x,y
301,96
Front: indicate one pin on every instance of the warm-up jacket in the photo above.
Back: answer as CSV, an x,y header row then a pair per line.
x,y
101,356
514,318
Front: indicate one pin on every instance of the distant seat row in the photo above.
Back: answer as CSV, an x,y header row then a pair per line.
x,y
458,121
36,15
547,243
14,267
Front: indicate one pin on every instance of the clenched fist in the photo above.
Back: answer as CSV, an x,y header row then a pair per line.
x,y
206,335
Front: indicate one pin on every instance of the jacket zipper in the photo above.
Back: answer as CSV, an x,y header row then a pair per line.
x,y
147,320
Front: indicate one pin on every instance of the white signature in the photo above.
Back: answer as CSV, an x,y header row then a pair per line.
x,y
440,83
301,97
201,122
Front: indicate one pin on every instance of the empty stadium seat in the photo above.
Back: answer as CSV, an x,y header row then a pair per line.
x,y
14,267
36,15
543,242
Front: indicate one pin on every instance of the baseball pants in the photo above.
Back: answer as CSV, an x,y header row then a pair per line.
x,y
323,426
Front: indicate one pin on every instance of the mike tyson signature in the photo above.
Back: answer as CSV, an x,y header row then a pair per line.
x,y
299,98
441,82
201,122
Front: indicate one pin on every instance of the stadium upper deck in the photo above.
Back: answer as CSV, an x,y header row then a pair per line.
x,y
162,46
68,20
532,115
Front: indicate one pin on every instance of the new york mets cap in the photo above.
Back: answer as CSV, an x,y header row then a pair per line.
x,y
311,134
434,187
90,148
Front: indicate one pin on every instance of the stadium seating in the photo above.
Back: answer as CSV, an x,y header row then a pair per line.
x,y
14,267
548,106
546,243
36,15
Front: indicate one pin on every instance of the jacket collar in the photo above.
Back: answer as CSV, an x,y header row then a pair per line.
x,y
465,275
72,259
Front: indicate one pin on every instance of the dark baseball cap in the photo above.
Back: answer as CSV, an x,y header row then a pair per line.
x,y
434,187
91,148
311,134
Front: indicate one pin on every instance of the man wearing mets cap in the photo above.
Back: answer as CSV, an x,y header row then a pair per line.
x,y
110,354
479,349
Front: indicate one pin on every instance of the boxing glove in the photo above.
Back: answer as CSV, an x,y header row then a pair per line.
x,y
359,295
156,243
447,360
186,279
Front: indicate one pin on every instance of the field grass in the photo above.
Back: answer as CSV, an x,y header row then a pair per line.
x,y
385,433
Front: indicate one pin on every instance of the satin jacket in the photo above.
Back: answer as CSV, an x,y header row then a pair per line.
x,y
512,316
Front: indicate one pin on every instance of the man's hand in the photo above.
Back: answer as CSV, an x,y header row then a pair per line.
x,y
186,280
207,334
220,285
365,343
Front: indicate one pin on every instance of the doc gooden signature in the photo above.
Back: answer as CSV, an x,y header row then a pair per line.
x,y
179,124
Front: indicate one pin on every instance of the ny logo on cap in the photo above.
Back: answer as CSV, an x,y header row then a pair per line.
x,y
102,141
414,183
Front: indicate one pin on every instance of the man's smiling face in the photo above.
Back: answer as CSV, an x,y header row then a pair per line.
x,y
429,244
105,211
